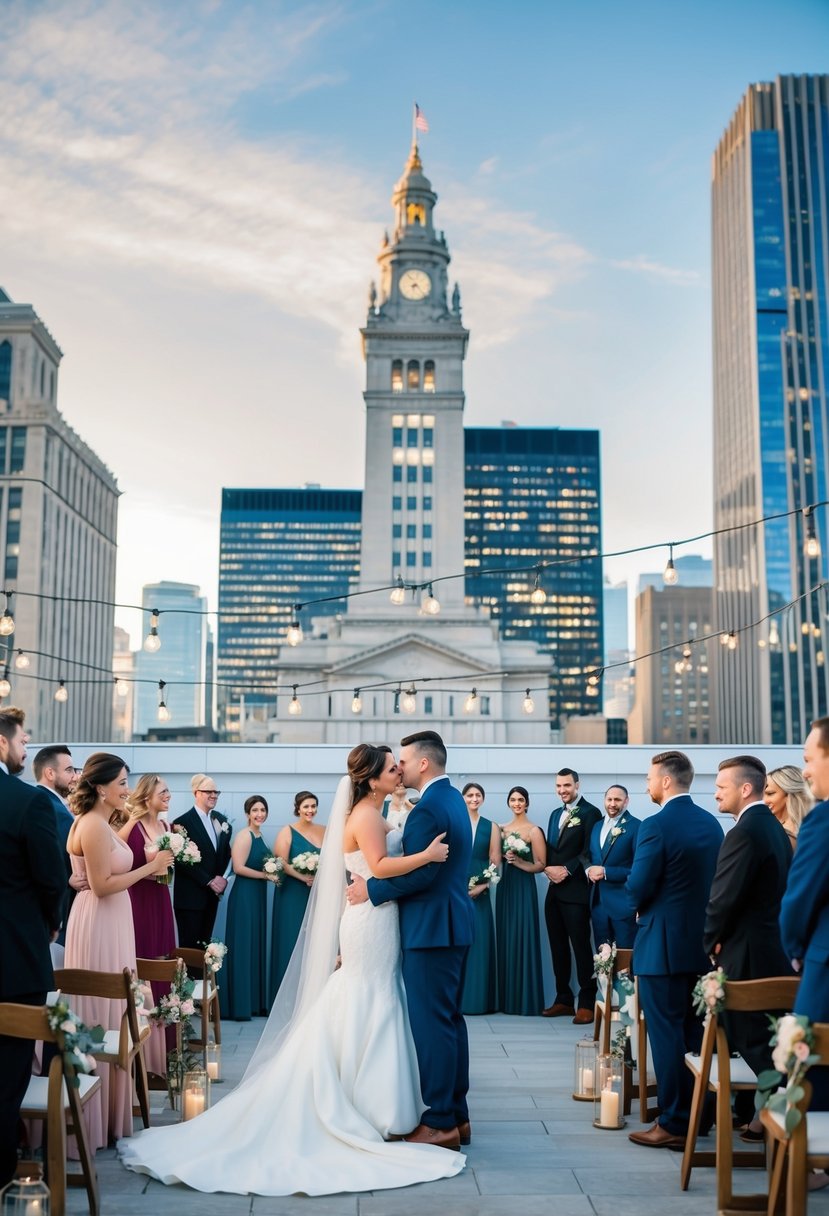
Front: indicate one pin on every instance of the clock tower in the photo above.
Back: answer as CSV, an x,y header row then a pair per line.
x,y
414,344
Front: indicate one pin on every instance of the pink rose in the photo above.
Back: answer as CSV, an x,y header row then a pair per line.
x,y
801,1051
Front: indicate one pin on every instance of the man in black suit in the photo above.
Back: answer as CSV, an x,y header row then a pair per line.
x,y
32,885
567,906
742,930
199,888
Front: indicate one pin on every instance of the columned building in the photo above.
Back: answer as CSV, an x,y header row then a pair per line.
x,y
58,516
771,427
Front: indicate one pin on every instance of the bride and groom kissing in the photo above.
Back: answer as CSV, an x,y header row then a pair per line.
x,y
364,1069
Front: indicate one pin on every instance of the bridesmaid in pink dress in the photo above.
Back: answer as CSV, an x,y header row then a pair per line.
x,y
99,932
152,907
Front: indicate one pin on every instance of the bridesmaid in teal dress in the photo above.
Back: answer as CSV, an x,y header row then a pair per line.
x,y
243,991
479,987
291,899
520,987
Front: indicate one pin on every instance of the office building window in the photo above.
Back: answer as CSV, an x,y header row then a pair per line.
x,y
411,560
397,376
397,473
427,472
18,450
411,503
6,370
429,376
413,376
411,531
411,473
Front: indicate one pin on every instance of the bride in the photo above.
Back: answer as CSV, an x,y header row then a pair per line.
x,y
332,1104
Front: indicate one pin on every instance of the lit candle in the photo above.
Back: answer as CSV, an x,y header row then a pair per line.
x,y
213,1070
194,1103
587,1081
609,1116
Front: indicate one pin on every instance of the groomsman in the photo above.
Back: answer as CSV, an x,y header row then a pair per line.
x,y
567,906
199,888
55,773
669,883
612,845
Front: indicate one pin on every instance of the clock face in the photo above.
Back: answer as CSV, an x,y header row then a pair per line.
x,y
415,284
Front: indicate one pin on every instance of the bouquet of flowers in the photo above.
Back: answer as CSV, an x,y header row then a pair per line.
x,y
184,850
306,863
214,955
142,995
709,993
178,1005
781,1088
78,1041
490,875
604,959
513,843
273,867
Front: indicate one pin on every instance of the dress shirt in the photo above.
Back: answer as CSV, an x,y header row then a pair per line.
x,y
207,824
440,777
747,808
607,823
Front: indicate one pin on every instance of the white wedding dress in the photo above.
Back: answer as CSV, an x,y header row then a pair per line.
x,y
312,1119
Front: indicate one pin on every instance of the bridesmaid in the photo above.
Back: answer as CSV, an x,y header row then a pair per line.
x,y
152,907
290,901
99,933
520,987
788,798
244,992
479,988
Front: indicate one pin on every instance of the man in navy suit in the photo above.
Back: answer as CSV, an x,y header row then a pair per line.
x,y
55,773
669,883
804,912
199,888
612,845
436,930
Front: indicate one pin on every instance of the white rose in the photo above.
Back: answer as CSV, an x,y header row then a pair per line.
x,y
176,843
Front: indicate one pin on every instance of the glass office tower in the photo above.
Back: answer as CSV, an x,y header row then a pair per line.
x,y
770,246
533,499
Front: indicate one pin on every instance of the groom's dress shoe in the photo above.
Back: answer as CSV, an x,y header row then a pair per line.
x,y
657,1137
443,1137
465,1133
558,1011
584,1017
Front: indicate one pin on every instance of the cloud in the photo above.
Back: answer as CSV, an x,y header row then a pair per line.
x,y
644,265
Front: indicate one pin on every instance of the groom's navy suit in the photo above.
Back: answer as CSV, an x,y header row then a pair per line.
x,y
612,913
436,930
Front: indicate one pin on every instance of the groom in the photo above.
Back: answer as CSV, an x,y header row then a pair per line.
x,y
436,929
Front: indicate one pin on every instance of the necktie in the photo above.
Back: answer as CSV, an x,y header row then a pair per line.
x,y
562,824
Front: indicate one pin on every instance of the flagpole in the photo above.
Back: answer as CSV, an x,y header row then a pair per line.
x,y
414,124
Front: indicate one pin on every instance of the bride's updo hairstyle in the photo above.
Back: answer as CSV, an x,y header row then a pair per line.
x,y
100,769
365,762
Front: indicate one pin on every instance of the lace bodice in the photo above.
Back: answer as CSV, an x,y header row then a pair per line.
x,y
357,864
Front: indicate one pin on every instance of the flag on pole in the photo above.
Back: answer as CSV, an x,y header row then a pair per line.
x,y
420,119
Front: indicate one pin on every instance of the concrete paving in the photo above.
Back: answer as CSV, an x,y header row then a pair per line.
x,y
534,1150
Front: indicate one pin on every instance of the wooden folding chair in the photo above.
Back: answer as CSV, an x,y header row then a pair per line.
x,y
793,1155
644,1081
205,996
607,1010
159,971
56,1101
716,1071
121,1048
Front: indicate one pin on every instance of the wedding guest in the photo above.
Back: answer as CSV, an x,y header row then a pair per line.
x,y
612,845
198,888
396,810
518,936
152,907
32,886
54,771
669,884
742,933
567,907
243,992
480,994
292,898
100,934
788,798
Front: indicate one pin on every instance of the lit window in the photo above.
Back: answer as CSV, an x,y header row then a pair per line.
x,y
413,420
429,420
428,456
429,376
397,376
397,420
413,377
397,456
416,214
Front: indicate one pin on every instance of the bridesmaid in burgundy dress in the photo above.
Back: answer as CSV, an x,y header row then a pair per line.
x,y
152,907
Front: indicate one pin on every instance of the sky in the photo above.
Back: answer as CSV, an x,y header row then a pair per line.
x,y
193,197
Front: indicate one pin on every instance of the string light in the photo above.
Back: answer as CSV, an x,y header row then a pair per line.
x,y
408,703
22,661
293,635
398,593
295,708
774,633
669,574
528,704
6,624
356,702
163,712
731,641
538,595
470,705
122,687
152,642
430,604
5,686
62,693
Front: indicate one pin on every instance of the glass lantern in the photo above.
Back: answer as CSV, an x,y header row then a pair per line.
x,y
587,1052
608,1098
213,1059
26,1195
195,1097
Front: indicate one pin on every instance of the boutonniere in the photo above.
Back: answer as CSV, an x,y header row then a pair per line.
x,y
617,832
573,823
221,825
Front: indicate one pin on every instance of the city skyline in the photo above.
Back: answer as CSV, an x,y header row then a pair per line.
x,y
194,203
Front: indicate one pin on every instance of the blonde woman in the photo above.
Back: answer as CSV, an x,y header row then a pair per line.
x,y
788,798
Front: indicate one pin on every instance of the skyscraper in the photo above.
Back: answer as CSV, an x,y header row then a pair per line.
x,y
770,194
533,500
180,662
58,516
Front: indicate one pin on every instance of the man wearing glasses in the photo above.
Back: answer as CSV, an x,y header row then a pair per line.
x,y
199,888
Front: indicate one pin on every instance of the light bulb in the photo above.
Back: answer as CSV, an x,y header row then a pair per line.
x,y
732,641
357,702
819,659
686,652
793,647
408,702
805,628
592,690
152,642
295,709
774,635
62,693
122,688
724,638
471,702
528,704
813,547
538,595
430,605
669,574
6,624
5,687
679,666
163,712
22,661
593,679
294,635
762,643
398,595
